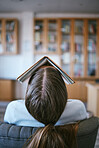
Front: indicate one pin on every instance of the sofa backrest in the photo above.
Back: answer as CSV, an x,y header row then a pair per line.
x,y
12,136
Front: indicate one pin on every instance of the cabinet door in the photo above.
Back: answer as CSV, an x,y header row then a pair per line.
x,y
91,47
66,45
39,35
1,38
6,90
78,48
52,36
11,36
77,91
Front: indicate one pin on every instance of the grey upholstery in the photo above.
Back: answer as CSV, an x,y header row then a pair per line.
x,y
12,136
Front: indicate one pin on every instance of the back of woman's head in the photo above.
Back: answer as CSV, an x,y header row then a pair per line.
x,y
46,95
46,99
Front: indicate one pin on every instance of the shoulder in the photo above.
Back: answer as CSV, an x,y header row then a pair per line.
x,y
15,102
74,111
74,101
77,107
13,105
76,104
16,113
12,108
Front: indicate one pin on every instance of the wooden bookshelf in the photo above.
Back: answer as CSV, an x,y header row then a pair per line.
x,y
75,40
8,36
47,39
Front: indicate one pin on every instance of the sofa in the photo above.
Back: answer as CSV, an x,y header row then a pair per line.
x,y
12,136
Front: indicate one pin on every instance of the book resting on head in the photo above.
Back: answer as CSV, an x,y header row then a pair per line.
x,y
45,61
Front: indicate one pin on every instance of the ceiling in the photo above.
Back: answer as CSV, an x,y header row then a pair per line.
x,y
47,6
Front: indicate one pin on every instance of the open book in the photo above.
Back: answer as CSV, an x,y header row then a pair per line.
x,y
45,61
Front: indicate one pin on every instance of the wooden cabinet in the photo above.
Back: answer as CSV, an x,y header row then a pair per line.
x,y
39,43
73,47
92,47
46,36
93,98
8,36
74,40
81,50
65,45
1,36
77,91
6,90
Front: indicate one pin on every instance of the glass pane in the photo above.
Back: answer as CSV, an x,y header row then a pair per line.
x,y
52,35
39,35
78,54
1,44
65,45
10,36
92,47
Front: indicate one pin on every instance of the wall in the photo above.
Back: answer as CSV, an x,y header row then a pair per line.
x,y
12,66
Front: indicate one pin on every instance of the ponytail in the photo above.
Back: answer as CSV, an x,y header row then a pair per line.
x,y
52,136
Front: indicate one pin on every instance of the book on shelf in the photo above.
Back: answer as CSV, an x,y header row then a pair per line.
x,y
10,25
38,27
91,45
37,36
52,47
10,48
78,71
92,28
38,46
52,37
78,47
78,59
66,29
92,58
65,46
79,29
45,61
10,37
66,58
52,26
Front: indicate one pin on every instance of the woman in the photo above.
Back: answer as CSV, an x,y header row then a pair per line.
x,y
46,99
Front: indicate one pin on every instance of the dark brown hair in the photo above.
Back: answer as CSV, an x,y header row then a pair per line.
x,y
46,98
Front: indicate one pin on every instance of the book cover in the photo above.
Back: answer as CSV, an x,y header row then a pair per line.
x,y
45,61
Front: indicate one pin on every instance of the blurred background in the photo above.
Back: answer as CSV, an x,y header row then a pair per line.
x,y
67,31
